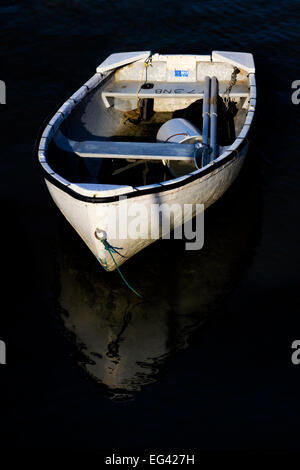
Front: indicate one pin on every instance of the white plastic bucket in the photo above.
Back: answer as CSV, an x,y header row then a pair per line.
x,y
180,131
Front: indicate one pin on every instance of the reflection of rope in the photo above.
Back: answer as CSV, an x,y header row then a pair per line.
x,y
111,249
113,346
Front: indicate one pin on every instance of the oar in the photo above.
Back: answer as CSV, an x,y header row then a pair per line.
x,y
206,116
213,118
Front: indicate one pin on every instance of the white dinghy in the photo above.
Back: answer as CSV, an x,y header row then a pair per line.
x,y
147,129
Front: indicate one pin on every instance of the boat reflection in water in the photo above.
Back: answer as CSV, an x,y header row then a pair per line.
x,y
123,340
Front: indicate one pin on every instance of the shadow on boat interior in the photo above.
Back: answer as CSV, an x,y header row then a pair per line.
x,y
92,121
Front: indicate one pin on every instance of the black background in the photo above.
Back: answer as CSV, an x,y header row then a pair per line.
x,y
234,386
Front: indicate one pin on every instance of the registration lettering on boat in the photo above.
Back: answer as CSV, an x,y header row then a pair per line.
x,y
171,91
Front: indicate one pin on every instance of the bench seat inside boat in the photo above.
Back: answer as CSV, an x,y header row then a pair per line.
x,y
127,89
134,150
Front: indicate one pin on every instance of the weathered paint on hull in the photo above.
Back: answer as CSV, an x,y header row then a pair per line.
x,y
86,217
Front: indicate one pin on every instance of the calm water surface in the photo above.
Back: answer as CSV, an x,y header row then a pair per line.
x,y
204,361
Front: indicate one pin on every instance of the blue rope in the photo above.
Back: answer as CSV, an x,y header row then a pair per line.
x,y
113,249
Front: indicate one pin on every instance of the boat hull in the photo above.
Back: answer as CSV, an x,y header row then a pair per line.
x,y
88,218
93,114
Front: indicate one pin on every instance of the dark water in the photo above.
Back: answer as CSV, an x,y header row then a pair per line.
x,y
205,361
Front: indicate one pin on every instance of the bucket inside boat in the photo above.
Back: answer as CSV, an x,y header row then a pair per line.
x,y
178,131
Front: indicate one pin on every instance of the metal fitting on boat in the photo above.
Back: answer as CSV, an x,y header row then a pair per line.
x,y
180,131
100,234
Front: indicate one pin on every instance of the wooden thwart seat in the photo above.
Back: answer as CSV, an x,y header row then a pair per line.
x,y
134,150
128,90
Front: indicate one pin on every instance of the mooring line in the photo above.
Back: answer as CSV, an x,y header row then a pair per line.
x,y
111,249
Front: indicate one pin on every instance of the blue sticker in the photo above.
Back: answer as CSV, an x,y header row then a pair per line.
x,y
181,73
